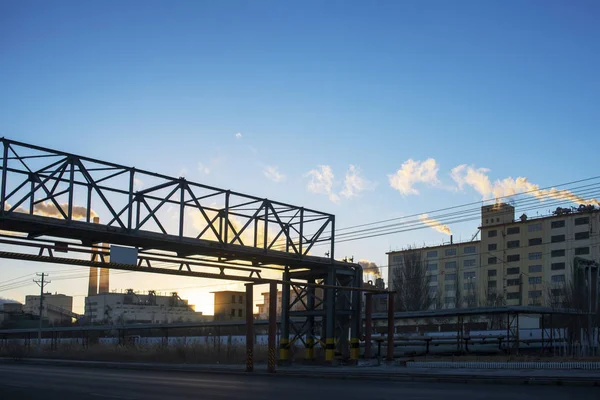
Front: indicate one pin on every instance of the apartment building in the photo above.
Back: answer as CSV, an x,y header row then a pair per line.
x,y
229,305
524,261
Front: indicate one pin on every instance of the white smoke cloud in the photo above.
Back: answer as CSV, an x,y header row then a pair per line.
x,y
239,135
272,173
435,224
321,182
478,179
354,183
370,267
48,209
412,172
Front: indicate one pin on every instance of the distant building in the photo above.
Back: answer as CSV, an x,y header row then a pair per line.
x,y
131,307
58,308
229,305
296,304
517,262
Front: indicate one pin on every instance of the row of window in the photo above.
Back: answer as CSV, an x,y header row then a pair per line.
x,y
513,230
512,244
452,251
538,255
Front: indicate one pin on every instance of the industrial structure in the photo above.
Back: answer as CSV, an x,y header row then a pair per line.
x,y
53,197
524,261
136,308
229,305
57,308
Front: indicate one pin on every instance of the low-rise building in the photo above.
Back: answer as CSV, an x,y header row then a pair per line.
x,y
229,305
57,308
131,307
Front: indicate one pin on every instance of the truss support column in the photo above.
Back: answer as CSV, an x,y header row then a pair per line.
x,y
284,338
356,318
272,341
4,171
249,327
309,354
368,324
330,317
391,328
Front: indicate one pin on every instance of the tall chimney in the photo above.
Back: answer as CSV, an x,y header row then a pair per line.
x,y
451,241
96,286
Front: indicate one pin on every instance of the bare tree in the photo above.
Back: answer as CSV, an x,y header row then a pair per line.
x,y
494,299
411,283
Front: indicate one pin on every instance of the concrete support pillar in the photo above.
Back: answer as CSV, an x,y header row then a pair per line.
x,y
391,328
272,341
284,338
249,327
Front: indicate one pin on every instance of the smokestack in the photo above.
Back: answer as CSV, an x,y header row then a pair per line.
x,y
451,241
101,285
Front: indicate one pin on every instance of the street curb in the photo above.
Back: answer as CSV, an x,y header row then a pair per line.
x,y
404,376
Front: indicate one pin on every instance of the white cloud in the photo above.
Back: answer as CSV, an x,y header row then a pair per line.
x,y
413,172
354,183
273,174
203,169
321,182
478,179
138,184
435,224
239,135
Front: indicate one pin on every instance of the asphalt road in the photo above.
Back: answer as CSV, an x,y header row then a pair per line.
x,y
26,382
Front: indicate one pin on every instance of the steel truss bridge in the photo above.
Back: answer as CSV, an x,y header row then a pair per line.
x,y
54,199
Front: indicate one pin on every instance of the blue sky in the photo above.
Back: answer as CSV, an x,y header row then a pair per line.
x,y
510,86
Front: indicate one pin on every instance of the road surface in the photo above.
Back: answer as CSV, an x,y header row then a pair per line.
x,y
27,382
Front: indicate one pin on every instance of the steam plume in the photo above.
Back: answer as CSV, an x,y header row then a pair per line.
x,y
435,224
370,268
48,209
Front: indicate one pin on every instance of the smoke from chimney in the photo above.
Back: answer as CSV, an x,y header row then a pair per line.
x,y
435,224
370,268
48,209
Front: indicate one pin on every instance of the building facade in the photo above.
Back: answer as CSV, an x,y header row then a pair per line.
x,y
229,305
524,261
131,307
57,308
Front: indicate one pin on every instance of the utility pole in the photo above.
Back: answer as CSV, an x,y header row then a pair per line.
x,y
41,283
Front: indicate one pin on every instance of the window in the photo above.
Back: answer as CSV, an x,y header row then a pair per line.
x,y
492,260
582,221
469,263
449,287
557,292
535,256
534,227
513,258
491,284
513,282
233,298
582,250
450,265
558,253
492,246
450,277
469,275
535,241
491,272
433,278
233,312
535,280
535,293
450,252
557,266
513,296
493,233
557,224
469,286
557,238
535,268
432,253
433,289
431,267
557,278
240,312
470,250
397,259
511,244
513,231
582,235
450,300
512,270
241,299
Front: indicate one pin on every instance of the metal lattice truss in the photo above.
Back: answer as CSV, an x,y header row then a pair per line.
x,y
52,193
